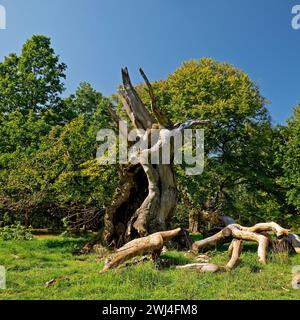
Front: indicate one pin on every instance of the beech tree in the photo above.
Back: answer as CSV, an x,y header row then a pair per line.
x,y
288,157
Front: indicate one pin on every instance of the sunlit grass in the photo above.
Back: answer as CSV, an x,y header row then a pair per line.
x,y
30,264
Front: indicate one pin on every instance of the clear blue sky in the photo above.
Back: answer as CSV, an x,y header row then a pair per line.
x,y
95,38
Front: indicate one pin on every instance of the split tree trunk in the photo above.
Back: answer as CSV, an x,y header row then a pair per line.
x,y
146,199
147,196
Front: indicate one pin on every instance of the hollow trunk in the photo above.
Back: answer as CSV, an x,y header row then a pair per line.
x,y
147,195
146,199
142,205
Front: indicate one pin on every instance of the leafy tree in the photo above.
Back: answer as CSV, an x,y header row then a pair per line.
x,y
289,159
60,176
238,143
33,79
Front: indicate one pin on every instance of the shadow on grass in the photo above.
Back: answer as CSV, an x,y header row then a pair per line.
x,y
64,243
173,258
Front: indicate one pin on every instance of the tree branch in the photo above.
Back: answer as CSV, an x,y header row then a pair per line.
x,y
162,119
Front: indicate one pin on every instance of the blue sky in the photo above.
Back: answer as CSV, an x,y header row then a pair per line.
x,y
95,38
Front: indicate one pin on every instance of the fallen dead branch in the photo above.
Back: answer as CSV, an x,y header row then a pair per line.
x,y
202,267
235,251
151,244
258,233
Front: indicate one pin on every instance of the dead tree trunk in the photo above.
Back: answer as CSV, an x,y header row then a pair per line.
x,y
147,196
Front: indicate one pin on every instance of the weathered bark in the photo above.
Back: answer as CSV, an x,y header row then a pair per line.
x,y
146,199
154,244
151,244
194,221
213,240
294,240
235,250
249,234
202,267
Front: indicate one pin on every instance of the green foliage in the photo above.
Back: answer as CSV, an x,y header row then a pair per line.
x,y
239,174
48,144
288,157
15,232
31,81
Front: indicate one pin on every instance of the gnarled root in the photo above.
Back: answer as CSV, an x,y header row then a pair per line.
x,y
151,244
257,233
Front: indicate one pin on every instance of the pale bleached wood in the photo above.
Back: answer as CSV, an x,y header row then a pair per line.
x,y
294,240
139,211
235,250
202,267
213,240
268,226
152,244
242,233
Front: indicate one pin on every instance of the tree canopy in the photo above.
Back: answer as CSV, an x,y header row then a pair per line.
x,y
48,171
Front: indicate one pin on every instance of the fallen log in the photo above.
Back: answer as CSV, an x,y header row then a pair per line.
x,y
255,233
151,244
154,243
213,240
235,250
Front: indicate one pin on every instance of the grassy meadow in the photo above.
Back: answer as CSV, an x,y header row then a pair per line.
x,y
31,264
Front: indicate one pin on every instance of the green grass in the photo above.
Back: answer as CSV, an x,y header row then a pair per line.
x,y
78,276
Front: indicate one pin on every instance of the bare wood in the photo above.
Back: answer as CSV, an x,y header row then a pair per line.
x,y
139,115
159,115
151,244
294,241
150,204
202,267
235,250
268,226
238,232
168,235
146,200
213,240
